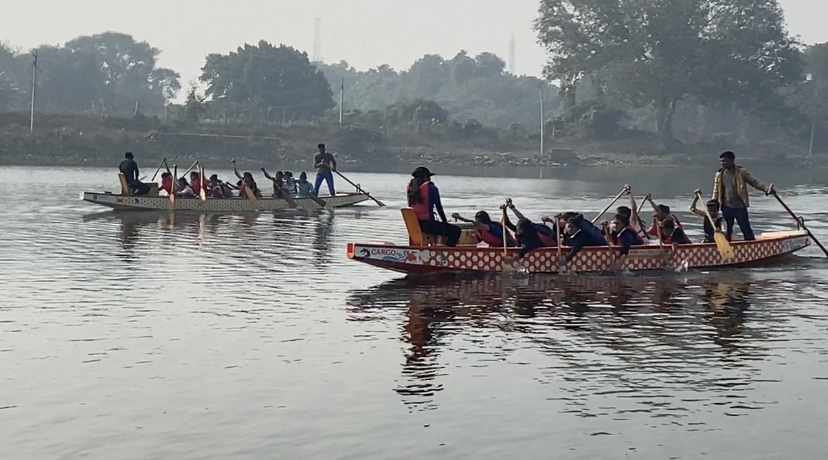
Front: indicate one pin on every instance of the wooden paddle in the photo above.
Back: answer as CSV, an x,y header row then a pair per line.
x,y
163,162
800,221
507,264
202,192
618,197
317,200
173,186
559,235
724,247
657,226
359,189
644,201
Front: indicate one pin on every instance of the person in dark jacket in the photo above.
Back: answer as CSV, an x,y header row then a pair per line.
x,y
129,168
581,235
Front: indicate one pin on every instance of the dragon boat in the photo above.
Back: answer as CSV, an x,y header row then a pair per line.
x,y
427,254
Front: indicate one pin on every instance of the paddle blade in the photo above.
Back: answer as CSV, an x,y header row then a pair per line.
x,y
725,249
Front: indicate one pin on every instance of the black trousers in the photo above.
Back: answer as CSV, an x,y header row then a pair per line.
x,y
451,232
139,188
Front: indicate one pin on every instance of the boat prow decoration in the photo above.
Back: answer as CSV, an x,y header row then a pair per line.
x,y
433,257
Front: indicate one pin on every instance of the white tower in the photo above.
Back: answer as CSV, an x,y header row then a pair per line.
x,y
317,40
512,54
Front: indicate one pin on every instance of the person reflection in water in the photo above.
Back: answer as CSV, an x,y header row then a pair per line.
x,y
424,198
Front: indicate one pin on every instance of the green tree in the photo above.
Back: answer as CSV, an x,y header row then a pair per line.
x,y
262,77
12,75
70,80
130,72
659,53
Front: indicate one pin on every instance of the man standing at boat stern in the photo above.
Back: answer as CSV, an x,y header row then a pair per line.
x,y
129,168
730,189
325,164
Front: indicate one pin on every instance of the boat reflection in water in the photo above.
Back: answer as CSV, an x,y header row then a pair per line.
x,y
644,337
227,234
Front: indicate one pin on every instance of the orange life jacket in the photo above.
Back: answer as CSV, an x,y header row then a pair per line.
x,y
492,239
423,208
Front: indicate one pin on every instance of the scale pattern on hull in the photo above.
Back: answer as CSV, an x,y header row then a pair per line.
x,y
592,259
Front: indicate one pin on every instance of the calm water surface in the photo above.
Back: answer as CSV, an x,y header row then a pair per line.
x,y
148,336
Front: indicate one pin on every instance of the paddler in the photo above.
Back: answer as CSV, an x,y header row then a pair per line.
x,y
713,210
245,182
488,231
581,235
424,198
195,182
673,235
219,189
632,214
661,213
546,235
325,164
730,190
166,182
625,236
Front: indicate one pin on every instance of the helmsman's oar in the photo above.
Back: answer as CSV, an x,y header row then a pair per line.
x,y
800,221
359,189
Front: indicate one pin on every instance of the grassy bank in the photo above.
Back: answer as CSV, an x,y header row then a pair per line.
x,y
75,140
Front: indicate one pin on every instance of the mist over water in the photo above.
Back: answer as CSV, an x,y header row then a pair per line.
x,y
148,335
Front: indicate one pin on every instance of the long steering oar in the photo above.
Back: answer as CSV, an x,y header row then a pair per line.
x,y
724,247
618,197
801,222
359,189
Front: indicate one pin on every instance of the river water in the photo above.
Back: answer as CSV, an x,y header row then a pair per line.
x,y
150,336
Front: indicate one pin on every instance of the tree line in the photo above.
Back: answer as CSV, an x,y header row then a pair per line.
x,y
687,70
726,65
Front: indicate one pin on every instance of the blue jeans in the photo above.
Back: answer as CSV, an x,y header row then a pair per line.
x,y
328,178
740,215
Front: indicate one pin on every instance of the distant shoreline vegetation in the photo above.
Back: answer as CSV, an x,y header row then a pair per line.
x,y
664,82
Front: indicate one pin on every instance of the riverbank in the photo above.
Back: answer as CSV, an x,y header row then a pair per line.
x,y
75,140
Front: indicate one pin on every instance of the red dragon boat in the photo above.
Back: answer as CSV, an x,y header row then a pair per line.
x,y
425,254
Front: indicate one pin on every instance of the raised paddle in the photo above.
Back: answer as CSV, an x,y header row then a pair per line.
x,y
618,197
724,247
507,264
800,221
359,189
173,186
163,162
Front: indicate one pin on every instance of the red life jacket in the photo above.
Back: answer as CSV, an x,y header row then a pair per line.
x,y
493,240
547,236
166,185
196,186
423,208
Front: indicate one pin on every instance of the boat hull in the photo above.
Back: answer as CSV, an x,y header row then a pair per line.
x,y
229,205
434,259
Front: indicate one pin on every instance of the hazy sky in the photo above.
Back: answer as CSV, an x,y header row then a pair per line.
x,y
366,33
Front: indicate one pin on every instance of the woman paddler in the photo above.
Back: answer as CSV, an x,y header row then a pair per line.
x,y
488,231
424,198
